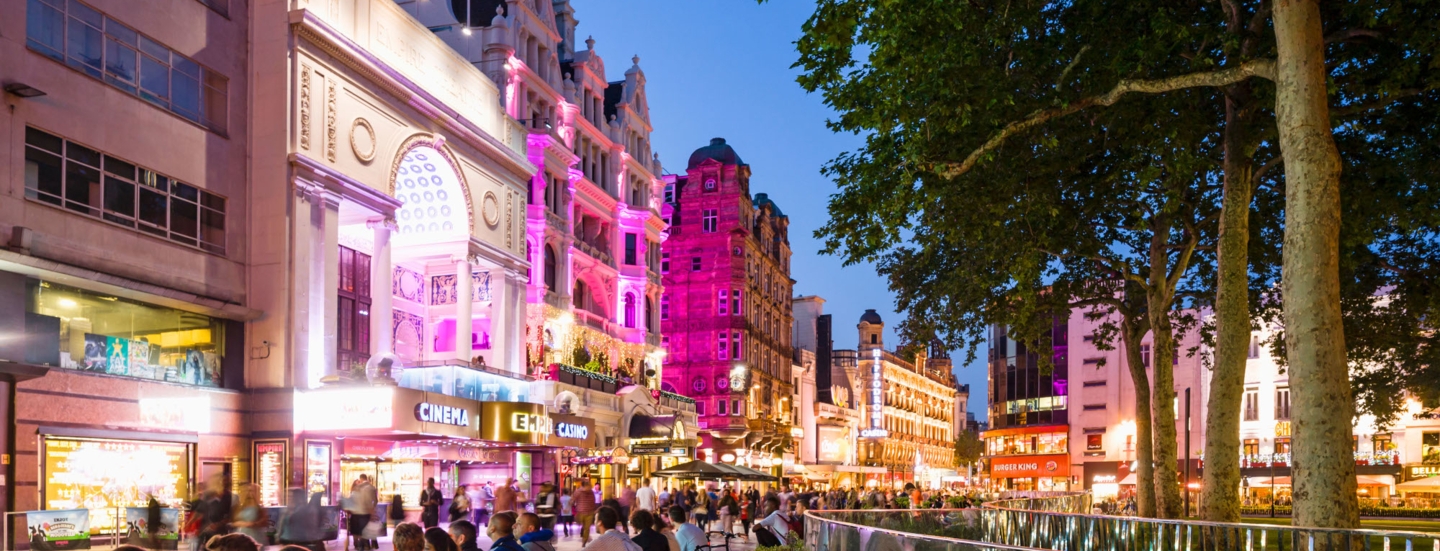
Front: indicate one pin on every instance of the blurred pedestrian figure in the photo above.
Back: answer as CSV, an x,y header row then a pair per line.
x,y
463,532
546,506
567,514
250,518
583,502
397,510
408,536
430,500
459,506
532,533
302,524
439,540
505,497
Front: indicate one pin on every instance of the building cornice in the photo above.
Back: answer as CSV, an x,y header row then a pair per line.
x,y
313,29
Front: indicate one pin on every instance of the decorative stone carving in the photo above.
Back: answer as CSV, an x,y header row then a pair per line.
x,y
362,140
330,121
490,209
305,107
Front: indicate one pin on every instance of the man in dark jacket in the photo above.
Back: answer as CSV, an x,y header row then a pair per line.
x,y
646,537
502,532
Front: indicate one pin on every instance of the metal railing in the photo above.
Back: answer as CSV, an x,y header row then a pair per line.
x,y
898,530
1061,522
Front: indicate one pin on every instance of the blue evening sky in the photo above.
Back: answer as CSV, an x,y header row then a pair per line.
x,y
721,68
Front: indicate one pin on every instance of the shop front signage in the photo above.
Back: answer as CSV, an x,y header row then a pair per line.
x,y
345,409
104,475
514,422
1424,471
269,459
445,415
1033,466
650,448
834,444
572,431
190,414
877,398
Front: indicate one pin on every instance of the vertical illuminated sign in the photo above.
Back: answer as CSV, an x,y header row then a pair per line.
x,y
877,398
269,461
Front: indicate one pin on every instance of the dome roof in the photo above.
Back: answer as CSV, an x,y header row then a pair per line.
x,y
717,150
871,317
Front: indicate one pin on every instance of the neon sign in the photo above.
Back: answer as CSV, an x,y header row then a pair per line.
x,y
445,415
530,422
572,430
877,398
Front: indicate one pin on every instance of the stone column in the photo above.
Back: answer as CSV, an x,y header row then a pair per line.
x,y
515,321
464,308
500,329
382,315
300,282
325,281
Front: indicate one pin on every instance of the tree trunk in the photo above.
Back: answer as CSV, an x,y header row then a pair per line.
x,y
1324,467
1220,489
1162,350
1144,446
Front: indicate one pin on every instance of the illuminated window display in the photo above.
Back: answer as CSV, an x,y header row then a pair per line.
x,y
1028,444
109,475
118,336
269,460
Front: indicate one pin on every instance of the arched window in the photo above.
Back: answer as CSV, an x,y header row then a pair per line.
x,y
550,267
630,310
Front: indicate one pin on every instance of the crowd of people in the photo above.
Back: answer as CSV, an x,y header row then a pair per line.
x,y
647,517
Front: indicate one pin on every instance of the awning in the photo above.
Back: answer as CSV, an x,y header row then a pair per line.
x,y
1367,481
1428,484
1128,480
652,426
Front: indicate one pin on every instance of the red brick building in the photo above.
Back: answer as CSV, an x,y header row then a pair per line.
x,y
726,313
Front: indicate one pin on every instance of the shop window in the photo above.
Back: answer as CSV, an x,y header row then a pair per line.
x,y
1094,442
352,340
102,333
101,47
66,174
1282,445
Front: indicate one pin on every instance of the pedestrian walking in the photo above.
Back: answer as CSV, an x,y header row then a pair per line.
x,y
430,500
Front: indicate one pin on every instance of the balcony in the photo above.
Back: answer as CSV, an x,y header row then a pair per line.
x,y
582,378
595,252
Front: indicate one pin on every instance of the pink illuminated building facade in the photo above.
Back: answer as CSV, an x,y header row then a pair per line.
x,y
726,312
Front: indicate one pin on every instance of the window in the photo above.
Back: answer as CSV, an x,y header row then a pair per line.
x,y
1250,447
700,408
874,339
694,263
664,263
723,340
90,42
550,268
1093,361
1282,404
630,310
1094,442
670,193
1094,407
1430,448
1254,347
650,315
1282,445
720,407
630,249
66,174
352,341
1092,383
737,344
724,302
1382,443
1145,355
102,333
736,305
709,220
1252,405
664,307
735,408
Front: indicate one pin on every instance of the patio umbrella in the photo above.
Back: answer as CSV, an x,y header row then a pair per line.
x,y
747,473
696,469
1428,484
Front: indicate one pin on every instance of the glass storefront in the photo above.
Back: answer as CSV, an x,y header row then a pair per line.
x,y
1026,444
101,333
108,475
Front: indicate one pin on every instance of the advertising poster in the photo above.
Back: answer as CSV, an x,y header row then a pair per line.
x,y
56,530
118,350
522,469
317,470
269,464
140,360
96,357
103,475
137,528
